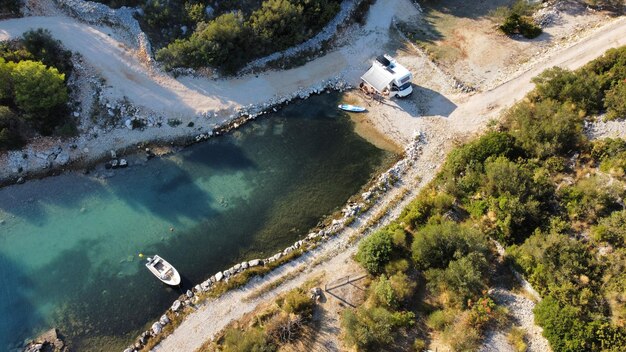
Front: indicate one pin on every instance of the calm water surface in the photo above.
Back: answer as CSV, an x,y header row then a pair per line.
x,y
69,247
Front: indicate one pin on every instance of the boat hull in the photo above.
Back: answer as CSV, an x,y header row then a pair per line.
x,y
163,270
351,108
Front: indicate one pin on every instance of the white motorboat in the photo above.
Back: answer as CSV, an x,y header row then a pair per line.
x,y
163,270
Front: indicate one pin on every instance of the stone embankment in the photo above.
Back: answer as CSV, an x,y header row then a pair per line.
x,y
367,199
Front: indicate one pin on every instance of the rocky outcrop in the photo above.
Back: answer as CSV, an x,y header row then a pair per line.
x,y
50,341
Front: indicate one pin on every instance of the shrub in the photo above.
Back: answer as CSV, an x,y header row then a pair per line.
x,y
298,302
392,292
372,328
375,251
524,25
436,245
463,280
477,151
440,320
516,338
584,89
590,198
545,128
615,101
612,229
252,340
563,326
559,266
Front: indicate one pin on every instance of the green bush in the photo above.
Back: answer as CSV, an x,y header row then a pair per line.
x,y
591,198
615,101
436,245
298,302
375,251
462,281
582,88
561,267
546,128
394,291
611,229
476,152
568,329
524,25
373,328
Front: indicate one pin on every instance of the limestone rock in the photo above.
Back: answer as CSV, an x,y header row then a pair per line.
x,y
157,328
219,277
176,305
164,320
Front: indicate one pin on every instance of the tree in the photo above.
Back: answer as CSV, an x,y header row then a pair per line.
x,y
375,251
38,89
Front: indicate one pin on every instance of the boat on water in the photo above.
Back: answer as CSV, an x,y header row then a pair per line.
x,y
351,108
163,270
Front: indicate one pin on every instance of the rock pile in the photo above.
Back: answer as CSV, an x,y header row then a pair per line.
x,y
50,341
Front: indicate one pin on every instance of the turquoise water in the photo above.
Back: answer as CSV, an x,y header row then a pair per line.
x,y
69,246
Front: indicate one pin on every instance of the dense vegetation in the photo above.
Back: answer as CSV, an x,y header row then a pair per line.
x,y
539,187
232,39
33,92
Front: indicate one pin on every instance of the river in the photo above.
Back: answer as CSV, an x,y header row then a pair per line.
x,y
70,245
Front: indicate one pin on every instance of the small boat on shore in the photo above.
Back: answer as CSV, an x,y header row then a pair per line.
x,y
163,270
351,108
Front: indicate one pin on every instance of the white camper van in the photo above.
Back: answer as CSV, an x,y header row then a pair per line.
x,y
388,77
